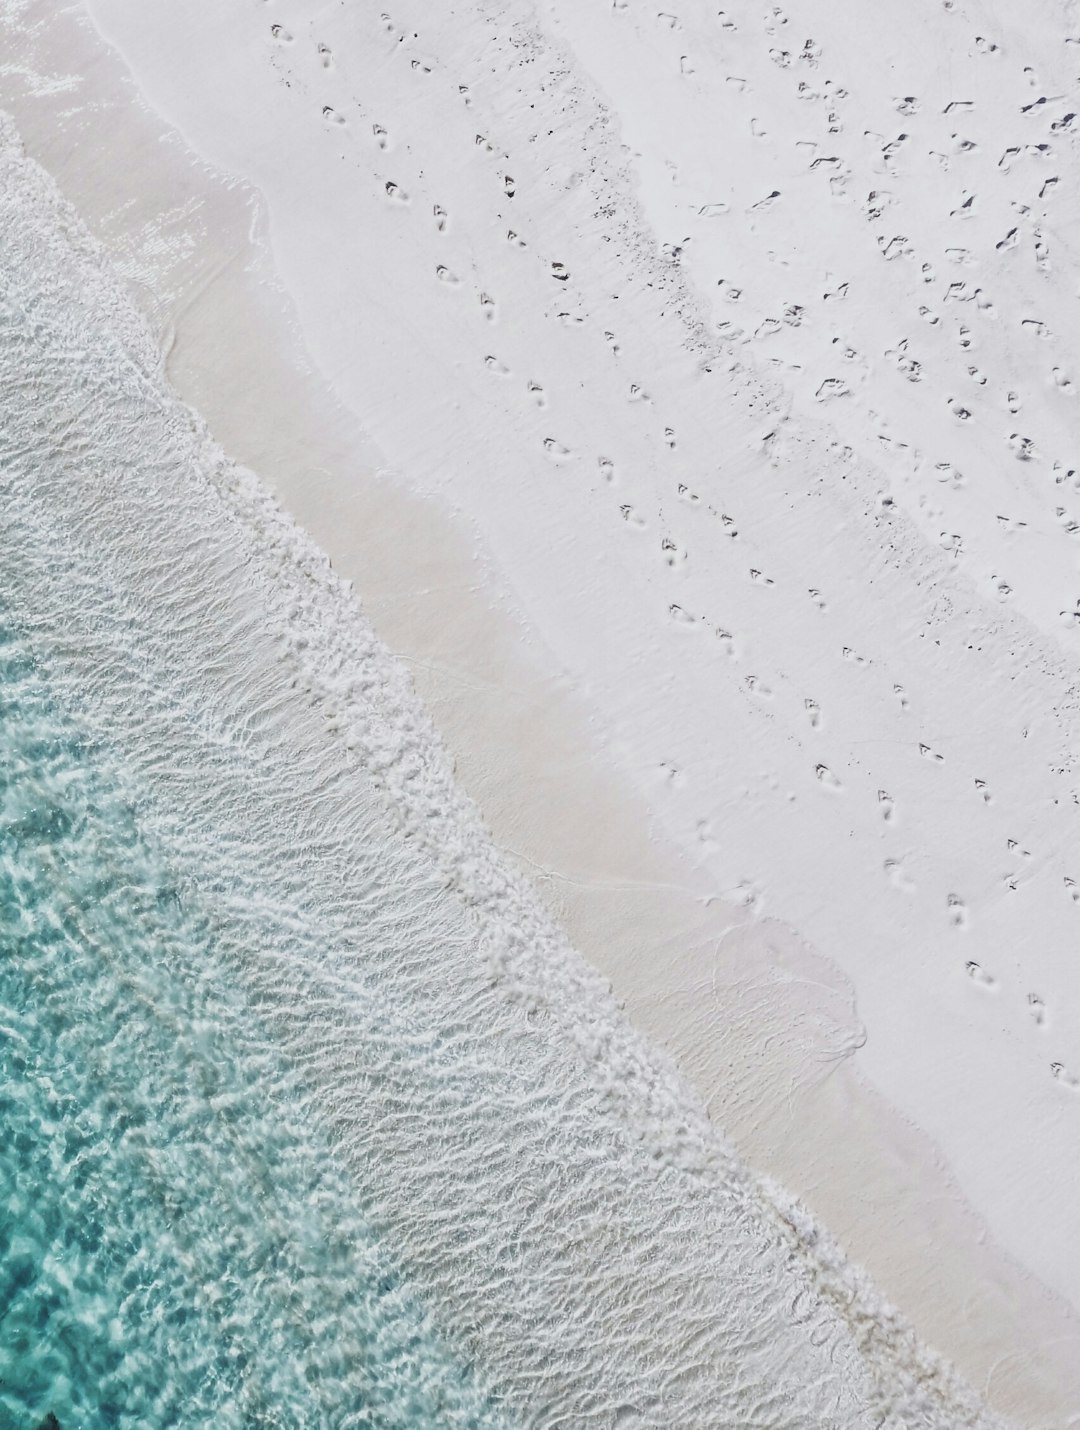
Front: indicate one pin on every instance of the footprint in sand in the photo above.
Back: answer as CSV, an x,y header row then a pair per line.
x,y
381,136
958,914
487,307
396,192
813,710
441,220
632,518
894,870
1037,1009
555,450
979,976
682,616
1066,1078
332,116
607,468
494,365
886,805
444,275
538,395
827,779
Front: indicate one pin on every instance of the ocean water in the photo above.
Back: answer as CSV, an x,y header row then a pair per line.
x,y
310,1117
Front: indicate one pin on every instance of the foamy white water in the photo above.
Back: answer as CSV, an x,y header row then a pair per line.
x,y
566,1225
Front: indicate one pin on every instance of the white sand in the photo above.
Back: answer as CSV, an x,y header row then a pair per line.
x,y
620,640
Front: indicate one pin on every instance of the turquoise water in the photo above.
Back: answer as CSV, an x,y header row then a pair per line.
x,y
176,1245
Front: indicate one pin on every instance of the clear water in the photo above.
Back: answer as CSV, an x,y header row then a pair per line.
x,y
178,1244
308,1116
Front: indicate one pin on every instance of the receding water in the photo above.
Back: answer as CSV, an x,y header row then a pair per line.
x,y
309,1116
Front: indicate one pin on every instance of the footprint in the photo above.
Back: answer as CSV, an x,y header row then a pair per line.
x,y
1063,382
381,136
538,395
633,518
555,450
987,797
396,192
813,710
444,275
901,694
560,271
727,640
487,306
687,495
1038,1009
674,554
607,468
669,437
441,220
850,655
494,365
515,239
1023,448
280,34
1074,892
929,754
509,187
818,599
888,807
959,918
326,59
759,579
899,880
1066,1078
682,616
831,388
756,687
826,778
331,115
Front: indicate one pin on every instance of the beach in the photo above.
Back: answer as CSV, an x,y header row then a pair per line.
x,y
722,530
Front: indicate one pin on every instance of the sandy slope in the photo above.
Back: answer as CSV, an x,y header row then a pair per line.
x,y
739,347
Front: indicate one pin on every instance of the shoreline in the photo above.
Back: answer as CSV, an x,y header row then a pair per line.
x,y
438,606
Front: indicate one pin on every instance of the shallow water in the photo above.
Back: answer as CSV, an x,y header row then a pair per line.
x,y
178,1243
315,1119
